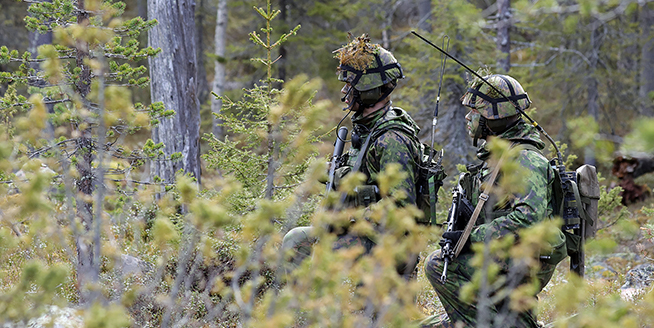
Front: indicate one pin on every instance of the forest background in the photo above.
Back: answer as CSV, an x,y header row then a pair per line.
x,y
103,106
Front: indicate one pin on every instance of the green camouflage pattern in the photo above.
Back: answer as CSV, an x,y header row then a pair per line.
x,y
504,109
521,211
369,81
392,146
460,273
526,209
299,241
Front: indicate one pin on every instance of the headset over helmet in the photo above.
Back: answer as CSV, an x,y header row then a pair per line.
x,y
492,105
371,70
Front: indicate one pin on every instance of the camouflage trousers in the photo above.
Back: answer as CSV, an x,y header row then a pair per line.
x,y
301,239
464,314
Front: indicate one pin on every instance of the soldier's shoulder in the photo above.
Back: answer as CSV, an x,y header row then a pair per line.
x,y
533,159
394,135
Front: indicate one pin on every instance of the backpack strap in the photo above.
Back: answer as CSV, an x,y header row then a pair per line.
x,y
377,132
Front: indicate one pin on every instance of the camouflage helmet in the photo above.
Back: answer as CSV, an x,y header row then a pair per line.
x,y
366,66
489,103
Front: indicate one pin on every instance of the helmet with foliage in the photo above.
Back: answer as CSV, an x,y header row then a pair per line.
x,y
489,103
371,70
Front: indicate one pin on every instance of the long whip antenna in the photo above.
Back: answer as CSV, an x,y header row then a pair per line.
x,y
438,99
514,103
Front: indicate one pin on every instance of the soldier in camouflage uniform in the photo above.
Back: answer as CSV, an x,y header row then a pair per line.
x,y
382,135
491,114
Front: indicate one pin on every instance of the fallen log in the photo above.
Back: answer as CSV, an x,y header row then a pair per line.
x,y
626,169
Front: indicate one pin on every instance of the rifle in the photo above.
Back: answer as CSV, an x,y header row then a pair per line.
x,y
460,211
339,144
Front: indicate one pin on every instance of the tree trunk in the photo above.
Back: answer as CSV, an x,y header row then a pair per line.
x,y
450,132
592,86
281,63
87,267
646,90
36,40
424,10
203,84
174,82
503,36
142,9
219,71
387,23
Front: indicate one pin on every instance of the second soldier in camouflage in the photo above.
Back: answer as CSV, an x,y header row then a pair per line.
x,y
492,114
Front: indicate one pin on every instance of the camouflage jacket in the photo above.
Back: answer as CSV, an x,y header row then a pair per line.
x,y
522,210
394,140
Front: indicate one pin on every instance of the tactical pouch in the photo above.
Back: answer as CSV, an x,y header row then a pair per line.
x,y
464,210
572,243
558,252
589,193
429,181
339,173
366,195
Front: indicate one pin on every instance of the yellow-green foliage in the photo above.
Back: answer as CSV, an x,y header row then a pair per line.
x,y
210,255
100,316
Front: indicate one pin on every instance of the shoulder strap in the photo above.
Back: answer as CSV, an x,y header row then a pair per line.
x,y
375,133
483,197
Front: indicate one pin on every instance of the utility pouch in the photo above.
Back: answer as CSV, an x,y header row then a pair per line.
x,y
366,195
464,210
558,252
429,181
589,192
572,243
339,173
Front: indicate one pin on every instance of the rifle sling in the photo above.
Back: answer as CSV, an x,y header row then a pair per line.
x,y
483,197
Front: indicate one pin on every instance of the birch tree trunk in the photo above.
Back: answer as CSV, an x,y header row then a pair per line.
x,y
174,82
503,34
647,60
219,70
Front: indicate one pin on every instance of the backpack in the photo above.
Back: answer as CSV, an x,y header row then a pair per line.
x,y
575,198
576,195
